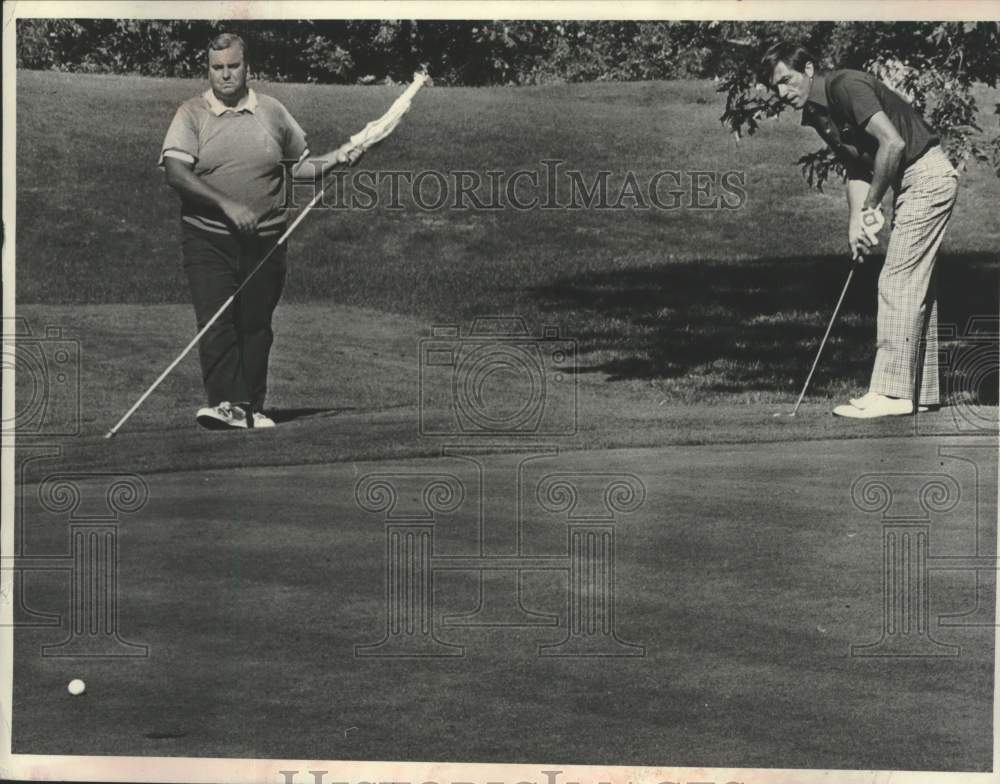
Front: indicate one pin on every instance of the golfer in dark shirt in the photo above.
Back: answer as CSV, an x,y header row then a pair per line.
x,y
882,142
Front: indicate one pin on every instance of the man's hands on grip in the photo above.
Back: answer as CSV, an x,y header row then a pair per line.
x,y
240,216
863,229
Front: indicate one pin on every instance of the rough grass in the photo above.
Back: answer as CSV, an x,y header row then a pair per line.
x,y
703,304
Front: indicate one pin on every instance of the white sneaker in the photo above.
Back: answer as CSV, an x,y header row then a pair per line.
x,y
261,420
224,416
871,398
875,406
865,400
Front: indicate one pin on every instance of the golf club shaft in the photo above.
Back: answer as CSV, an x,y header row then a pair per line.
x,y
218,314
850,273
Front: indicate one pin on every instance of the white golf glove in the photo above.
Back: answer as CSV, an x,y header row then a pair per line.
x,y
872,221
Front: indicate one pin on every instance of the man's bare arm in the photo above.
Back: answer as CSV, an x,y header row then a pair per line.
x,y
890,154
857,193
316,166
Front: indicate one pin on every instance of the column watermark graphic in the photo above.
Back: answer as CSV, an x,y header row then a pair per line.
x,y
409,503
488,395
92,506
908,507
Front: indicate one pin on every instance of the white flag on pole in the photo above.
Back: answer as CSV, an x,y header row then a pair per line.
x,y
377,130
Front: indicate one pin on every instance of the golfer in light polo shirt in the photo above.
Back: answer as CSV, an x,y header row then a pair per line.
x,y
883,142
225,154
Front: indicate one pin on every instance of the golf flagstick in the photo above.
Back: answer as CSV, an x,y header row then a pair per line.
x,y
371,134
858,259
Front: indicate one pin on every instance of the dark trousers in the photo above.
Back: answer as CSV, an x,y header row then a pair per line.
x,y
234,352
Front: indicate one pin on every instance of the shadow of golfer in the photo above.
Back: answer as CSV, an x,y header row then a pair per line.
x,y
281,415
756,325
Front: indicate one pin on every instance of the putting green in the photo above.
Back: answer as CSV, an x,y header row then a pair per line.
x,y
746,574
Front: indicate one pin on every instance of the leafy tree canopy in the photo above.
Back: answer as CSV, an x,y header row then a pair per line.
x,y
935,65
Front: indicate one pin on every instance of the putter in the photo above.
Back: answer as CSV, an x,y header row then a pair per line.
x,y
858,259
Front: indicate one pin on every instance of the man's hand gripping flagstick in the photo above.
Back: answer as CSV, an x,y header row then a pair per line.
x,y
367,137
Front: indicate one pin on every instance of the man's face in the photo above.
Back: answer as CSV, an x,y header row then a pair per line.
x,y
227,73
791,85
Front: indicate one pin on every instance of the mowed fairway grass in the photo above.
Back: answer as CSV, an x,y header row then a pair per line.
x,y
669,309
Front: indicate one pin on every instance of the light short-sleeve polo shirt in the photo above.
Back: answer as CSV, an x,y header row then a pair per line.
x,y
241,151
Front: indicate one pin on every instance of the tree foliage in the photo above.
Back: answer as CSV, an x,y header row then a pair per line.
x,y
936,65
348,51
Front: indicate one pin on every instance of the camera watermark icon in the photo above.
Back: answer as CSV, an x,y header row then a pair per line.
x,y
93,504
497,380
969,369
410,504
905,503
46,370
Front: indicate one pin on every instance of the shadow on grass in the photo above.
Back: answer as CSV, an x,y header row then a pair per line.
x,y
741,326
281,415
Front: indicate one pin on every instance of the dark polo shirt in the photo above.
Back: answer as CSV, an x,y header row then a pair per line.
x,y
841,103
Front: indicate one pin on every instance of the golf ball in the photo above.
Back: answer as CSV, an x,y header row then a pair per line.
x,y
76,687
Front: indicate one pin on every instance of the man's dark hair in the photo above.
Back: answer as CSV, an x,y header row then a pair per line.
x,y
225,40
792,55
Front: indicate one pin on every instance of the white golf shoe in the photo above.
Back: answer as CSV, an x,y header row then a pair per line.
x,y
873,399
865,400
224,416
262,420
874,406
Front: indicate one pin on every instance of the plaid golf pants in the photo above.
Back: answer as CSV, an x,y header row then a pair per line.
x,y
907,299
